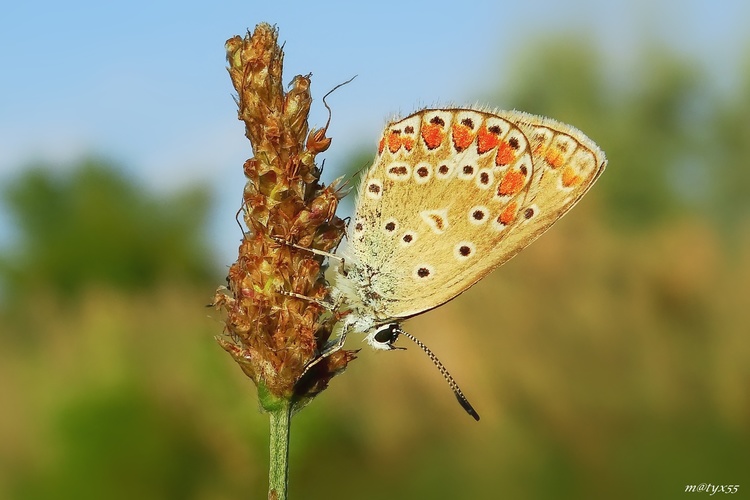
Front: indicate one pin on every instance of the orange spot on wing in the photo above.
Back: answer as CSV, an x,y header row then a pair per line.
x,y
433,135
569,177
394,142
509,214
511,184
554,158
408,143
505,154
486,140
381,145
463,136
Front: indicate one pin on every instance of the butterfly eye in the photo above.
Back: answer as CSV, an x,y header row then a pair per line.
x,y
385,336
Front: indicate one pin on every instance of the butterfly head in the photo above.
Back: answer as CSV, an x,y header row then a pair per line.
x,y
380,331
384,337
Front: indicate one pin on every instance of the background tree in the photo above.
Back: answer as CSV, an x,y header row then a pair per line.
x,y
91,225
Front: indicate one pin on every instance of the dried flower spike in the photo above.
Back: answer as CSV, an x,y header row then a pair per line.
x,y
271,334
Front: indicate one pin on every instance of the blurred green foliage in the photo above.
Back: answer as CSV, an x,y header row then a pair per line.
x,y
609,360
90,225
678,140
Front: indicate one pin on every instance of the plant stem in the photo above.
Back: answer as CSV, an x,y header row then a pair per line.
x,y
278,476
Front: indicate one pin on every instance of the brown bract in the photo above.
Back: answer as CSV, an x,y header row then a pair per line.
x,y
270,334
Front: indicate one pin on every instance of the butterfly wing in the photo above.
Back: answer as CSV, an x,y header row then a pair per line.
x,y
566,165
449,196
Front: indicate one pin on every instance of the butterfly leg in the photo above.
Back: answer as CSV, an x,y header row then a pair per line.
x,y
322,303
322,253
329,349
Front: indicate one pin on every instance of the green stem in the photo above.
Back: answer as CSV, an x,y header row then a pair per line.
x,y
278,477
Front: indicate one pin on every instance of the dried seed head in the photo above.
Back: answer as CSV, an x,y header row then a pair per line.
x,y
270,333
317,142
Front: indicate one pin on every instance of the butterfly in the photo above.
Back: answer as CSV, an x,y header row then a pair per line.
x,y
451,195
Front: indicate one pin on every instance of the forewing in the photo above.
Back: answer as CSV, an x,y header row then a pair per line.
x,y
566,165
435,208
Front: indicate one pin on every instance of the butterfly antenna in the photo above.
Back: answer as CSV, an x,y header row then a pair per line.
x,y
331,92
237,216
446,375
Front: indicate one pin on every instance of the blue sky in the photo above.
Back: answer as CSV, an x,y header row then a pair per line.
x,y
144,83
